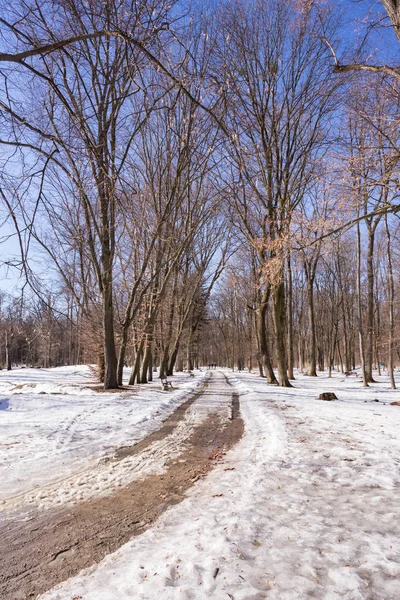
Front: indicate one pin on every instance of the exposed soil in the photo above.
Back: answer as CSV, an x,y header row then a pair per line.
x,y
56,544
168,426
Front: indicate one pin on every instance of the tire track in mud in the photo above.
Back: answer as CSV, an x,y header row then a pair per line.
x,y
19,501
56,544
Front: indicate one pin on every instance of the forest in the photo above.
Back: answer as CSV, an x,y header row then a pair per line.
x,y
186,184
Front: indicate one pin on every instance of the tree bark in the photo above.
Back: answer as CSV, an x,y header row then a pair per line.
x,y
391,305
173,358
8,355
147,354
290,321
311,319
359,309
370,305
262,336
121,356
136,365
189,355
344,316
278,296
393,10
110,355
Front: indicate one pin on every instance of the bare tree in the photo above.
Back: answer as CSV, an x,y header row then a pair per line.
x,y
85,121
278,89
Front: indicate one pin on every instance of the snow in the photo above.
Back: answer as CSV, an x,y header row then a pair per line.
x,y
55,432
305,505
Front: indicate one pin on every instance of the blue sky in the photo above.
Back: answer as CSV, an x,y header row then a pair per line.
x,y
359,17
369,16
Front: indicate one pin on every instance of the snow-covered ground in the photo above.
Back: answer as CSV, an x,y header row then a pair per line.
x,y
53,426
305,506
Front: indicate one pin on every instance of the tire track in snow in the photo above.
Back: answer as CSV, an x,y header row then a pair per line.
x,y
56,544
106,473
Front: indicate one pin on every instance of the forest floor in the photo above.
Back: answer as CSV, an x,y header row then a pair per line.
x,y
246,491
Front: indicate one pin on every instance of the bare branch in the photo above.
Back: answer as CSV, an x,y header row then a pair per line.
x,y
393,71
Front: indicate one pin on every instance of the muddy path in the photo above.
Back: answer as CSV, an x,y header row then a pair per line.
x,y
56,544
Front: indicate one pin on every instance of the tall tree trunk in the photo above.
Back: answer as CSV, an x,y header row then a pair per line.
x,y
370,305
340,365
344,316
110,355
359,309
70,332
189,354
250,356
346,341
78,354
321,359
278,296
8,355
121,355
164,363
311,319
290,321
256,328
299,353
150,366
332,347
169,329
377,331
101,365
262,336
135,372
391,305
147,354
172,361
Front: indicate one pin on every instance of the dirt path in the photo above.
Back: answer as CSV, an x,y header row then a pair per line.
x,y
54,545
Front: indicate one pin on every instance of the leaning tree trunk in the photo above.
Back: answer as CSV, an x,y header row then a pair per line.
x,y
136,365
172,361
